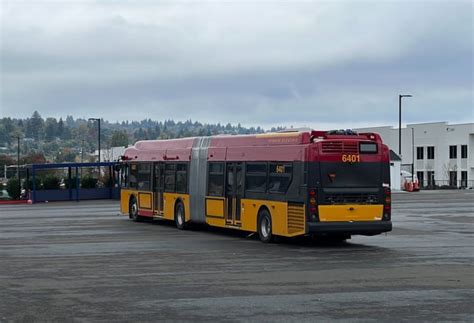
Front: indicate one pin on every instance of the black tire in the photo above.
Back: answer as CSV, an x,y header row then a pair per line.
x,y
264,226
133,210
179,216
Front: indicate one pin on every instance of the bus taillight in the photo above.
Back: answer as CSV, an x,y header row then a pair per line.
x,y
313,208
387,205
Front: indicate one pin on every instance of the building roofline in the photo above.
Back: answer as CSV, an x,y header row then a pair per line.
x,y
441,122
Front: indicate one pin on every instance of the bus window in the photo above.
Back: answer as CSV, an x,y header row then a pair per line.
x,y
144,176
256,177
124,175
216,179
280,177
170,177
132,179
181,178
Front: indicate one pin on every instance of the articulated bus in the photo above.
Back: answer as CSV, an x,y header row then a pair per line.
x,y
295,183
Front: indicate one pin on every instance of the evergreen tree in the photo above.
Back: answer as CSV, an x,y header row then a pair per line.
x,y
35,126
119,138
50,129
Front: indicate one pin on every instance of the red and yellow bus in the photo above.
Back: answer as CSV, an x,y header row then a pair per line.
x,y
334,183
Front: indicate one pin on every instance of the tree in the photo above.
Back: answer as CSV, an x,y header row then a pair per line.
x,y
35,126
119,138
33,158
60,129
66,155
50,129
13,188
6,160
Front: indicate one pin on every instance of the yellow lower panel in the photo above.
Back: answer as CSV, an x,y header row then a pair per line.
x,y
215,207
216,222
333,213
145,200
169,202
278,212
124,200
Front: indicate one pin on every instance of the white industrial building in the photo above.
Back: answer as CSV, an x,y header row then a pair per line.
x,y
441,154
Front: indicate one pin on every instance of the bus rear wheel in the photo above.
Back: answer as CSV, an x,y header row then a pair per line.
x,y
264,226
133,210
179,216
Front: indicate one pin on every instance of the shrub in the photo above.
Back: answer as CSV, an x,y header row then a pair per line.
x,y
88,182
30,183
72,183
51,182
13,188
107,181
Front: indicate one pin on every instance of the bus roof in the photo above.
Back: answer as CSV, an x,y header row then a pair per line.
x,y
238,147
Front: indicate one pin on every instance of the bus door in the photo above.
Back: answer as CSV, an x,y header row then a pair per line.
x,y
234,192
158,188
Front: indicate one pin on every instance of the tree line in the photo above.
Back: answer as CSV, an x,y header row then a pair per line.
x,y
74,139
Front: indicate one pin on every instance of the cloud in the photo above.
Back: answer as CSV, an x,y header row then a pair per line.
x,y
259,63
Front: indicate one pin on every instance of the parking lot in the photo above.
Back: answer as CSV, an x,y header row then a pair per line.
x,y
81,261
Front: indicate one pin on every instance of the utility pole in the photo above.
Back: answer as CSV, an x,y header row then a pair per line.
x,y
413,155
82,151
18,161
98,136
400,96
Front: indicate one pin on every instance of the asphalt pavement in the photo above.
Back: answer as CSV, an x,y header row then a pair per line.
x,y
81,261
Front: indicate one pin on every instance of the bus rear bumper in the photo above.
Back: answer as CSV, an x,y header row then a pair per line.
x,y
362,227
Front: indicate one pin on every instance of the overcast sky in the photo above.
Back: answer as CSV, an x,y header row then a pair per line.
x,y
319,64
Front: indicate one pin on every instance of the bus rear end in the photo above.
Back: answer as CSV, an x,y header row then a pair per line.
x,y
348,181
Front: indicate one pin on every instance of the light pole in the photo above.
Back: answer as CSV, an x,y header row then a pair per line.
x,y
413,155
18,160
400,96
98,137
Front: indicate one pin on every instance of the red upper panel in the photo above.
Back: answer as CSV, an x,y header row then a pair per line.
x,y
286,146
161,150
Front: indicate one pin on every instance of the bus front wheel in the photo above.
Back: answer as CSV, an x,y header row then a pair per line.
x,y
264,226
179,217
133,210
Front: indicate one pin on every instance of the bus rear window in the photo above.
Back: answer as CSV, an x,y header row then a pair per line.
x,y
367,148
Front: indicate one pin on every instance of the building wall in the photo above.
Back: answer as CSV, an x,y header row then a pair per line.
x,y
439,135
395,178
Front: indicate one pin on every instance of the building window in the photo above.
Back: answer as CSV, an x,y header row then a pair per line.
x,y
431,152
280,175
421,178
464,151
464,179
431,178
215,183
419,153
256,177
453,152
453,178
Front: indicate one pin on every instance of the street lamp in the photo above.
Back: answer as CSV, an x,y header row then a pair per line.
x,y
98,137
18,160
400,96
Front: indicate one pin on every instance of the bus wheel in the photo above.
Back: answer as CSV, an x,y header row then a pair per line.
x,y
179,217
264,226
133,210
